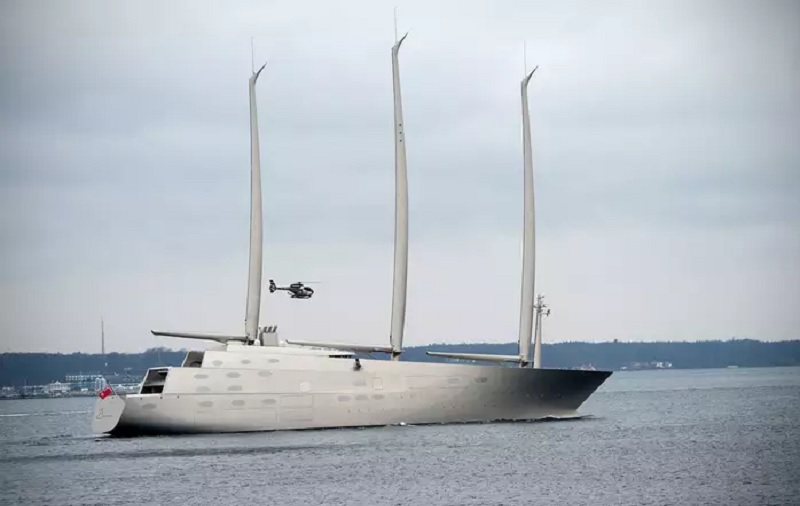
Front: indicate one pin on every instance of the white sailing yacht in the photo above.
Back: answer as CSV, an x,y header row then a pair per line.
x,y
253,382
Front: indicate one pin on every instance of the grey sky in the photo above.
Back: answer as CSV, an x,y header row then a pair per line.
x,y
665,142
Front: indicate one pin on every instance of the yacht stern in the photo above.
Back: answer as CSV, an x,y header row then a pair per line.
x,y
107,413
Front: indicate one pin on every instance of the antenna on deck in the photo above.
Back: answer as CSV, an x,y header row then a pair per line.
x,y
103,344
540,308
524,58
253,59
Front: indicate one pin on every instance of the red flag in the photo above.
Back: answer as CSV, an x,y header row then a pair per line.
x,y
106,392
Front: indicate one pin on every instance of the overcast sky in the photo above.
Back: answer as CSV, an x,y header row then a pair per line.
x,y
666,141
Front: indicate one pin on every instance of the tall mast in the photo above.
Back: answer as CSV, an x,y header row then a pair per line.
x,y
256,229
253,304
529,234
400,277
102,339
400,274
527,304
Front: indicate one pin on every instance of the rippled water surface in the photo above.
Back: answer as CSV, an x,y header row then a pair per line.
x,y
660,437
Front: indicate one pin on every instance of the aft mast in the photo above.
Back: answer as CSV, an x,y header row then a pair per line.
x,y
253,304
526,308
400,277
256,228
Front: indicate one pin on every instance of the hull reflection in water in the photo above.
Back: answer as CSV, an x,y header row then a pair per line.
x,y
338,392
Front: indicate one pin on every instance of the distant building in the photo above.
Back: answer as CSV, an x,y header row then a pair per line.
x,y
85,382
641,366
56,388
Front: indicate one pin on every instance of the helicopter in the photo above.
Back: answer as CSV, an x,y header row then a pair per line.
x,y
296,290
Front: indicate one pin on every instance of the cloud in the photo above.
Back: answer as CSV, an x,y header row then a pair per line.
x,y
664,148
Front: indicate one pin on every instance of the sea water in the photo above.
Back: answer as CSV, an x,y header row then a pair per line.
x,y
679,437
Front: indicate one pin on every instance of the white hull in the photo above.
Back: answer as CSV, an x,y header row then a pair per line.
x,y
332,394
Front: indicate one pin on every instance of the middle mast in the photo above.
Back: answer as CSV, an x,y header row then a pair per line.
x,y
400,277
526,306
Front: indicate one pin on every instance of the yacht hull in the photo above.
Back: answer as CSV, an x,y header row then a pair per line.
x,y
205,400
